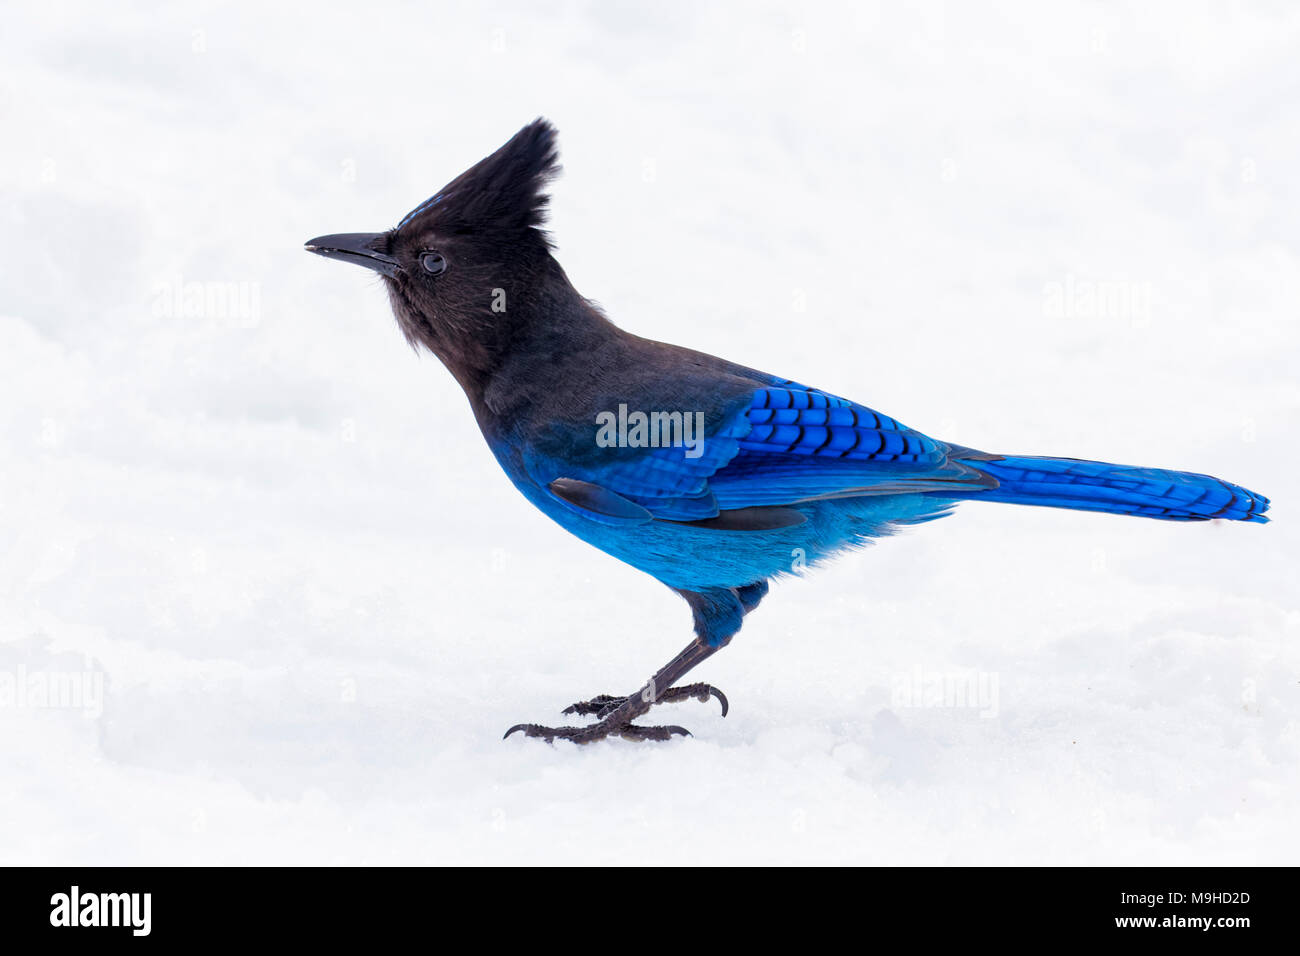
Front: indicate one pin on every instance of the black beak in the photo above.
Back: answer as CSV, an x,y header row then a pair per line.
x,y
359,247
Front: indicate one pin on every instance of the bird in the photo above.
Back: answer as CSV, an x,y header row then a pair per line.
x,y
712,477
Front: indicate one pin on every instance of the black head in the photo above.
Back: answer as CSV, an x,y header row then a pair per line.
x,y
465,268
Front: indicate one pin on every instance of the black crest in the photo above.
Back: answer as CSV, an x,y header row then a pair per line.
x,y
504,193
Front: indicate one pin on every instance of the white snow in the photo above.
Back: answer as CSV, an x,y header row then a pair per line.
x,y
275,539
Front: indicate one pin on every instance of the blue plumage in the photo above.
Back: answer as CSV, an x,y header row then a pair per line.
x,y
719,477
1120,489
853,473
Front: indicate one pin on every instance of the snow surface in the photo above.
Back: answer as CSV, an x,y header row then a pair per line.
x,y
275,538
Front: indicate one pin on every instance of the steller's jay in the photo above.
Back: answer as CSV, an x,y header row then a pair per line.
x,y
712,477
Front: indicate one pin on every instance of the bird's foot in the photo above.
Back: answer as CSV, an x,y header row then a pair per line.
x,y
602,705
599,731
615,716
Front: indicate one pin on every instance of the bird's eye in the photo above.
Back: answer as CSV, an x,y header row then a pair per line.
x,y
433,263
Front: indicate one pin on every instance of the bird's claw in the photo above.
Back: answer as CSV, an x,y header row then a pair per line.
x,y
602,705
598,731
614,716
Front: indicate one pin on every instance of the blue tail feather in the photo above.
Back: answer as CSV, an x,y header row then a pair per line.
x,y
1118,489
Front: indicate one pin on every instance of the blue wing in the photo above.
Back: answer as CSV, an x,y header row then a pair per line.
x,y
669,482
804,444
780,445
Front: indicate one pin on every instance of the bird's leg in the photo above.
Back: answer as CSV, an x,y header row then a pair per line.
x,y
718,613
705,607
617,713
